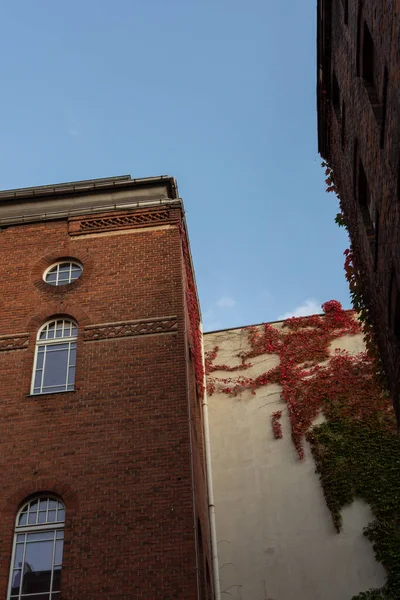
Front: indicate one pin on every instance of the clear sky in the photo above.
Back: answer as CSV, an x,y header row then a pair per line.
x,y
217,93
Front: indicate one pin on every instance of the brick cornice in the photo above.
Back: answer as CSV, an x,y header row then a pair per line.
x,y
18,341
124,220
121,329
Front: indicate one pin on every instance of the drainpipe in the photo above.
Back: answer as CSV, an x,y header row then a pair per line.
x,y
211,505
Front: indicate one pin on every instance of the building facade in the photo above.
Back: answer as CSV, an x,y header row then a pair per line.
x,y
358,96
293,409
103,488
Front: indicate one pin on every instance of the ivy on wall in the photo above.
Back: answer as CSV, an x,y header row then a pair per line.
x,y
193,312
356,449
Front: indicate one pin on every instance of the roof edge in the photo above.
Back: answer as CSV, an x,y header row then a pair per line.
x,y
89,186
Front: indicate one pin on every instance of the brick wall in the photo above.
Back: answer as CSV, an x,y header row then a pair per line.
x,y
377,135
117,449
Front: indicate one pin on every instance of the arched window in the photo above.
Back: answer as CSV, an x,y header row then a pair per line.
x,y
55,356
38,548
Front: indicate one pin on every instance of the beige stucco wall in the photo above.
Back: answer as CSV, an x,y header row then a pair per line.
x,y
275,535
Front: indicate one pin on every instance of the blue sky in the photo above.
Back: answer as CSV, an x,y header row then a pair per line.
x,y
218,93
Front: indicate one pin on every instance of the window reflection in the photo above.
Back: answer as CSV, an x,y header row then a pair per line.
x,y
55,357
37,563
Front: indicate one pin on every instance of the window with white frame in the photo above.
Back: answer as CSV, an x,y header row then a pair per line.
x,y
37,552
62,273
55,357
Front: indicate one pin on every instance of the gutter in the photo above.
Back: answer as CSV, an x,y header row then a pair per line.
x,y
210,489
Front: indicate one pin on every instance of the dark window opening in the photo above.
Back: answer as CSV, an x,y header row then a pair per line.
x,y
394,306
335,95
368,57
346,11
384,103
343,128
368,208
368,73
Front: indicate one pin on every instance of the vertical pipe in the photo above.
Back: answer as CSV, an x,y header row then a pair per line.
x,y
211,505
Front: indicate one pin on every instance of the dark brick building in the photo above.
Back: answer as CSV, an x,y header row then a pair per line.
x,y
101,437
358,92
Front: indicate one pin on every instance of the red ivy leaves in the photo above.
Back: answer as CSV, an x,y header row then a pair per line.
x,y
276,426
345,386
195,337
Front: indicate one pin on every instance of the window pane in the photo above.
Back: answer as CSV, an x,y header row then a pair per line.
x,y
59,552
64,267
53,503
19,553
40,536
22,519
72,358
40,357
16,581
37,567
60,535
36,597
55,372
56,579
51,516
43,504
71,377
38,381
32,518
57,347
42,516
61,515
51,277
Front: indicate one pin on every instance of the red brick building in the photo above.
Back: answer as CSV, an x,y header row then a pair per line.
x,y
101,439
358,94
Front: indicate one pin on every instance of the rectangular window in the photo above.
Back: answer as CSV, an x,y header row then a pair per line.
x,y
368,209
368,73
346,12
368,57
335,95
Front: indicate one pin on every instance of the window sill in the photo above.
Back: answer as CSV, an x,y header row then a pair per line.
x,y
50,393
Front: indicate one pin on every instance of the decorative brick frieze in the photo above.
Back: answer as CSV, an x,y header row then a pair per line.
x,y
115,221
14,342
130,328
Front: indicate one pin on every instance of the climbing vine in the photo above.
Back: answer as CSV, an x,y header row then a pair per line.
x,y
192,306
355,280
276,426
356,449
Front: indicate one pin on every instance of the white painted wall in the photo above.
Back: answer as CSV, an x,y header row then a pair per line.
x,y
275,534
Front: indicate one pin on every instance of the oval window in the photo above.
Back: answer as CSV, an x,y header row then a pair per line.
x,y
62,273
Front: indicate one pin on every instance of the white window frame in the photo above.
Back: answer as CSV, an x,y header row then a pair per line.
x,y
72,263
35,528
47,342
